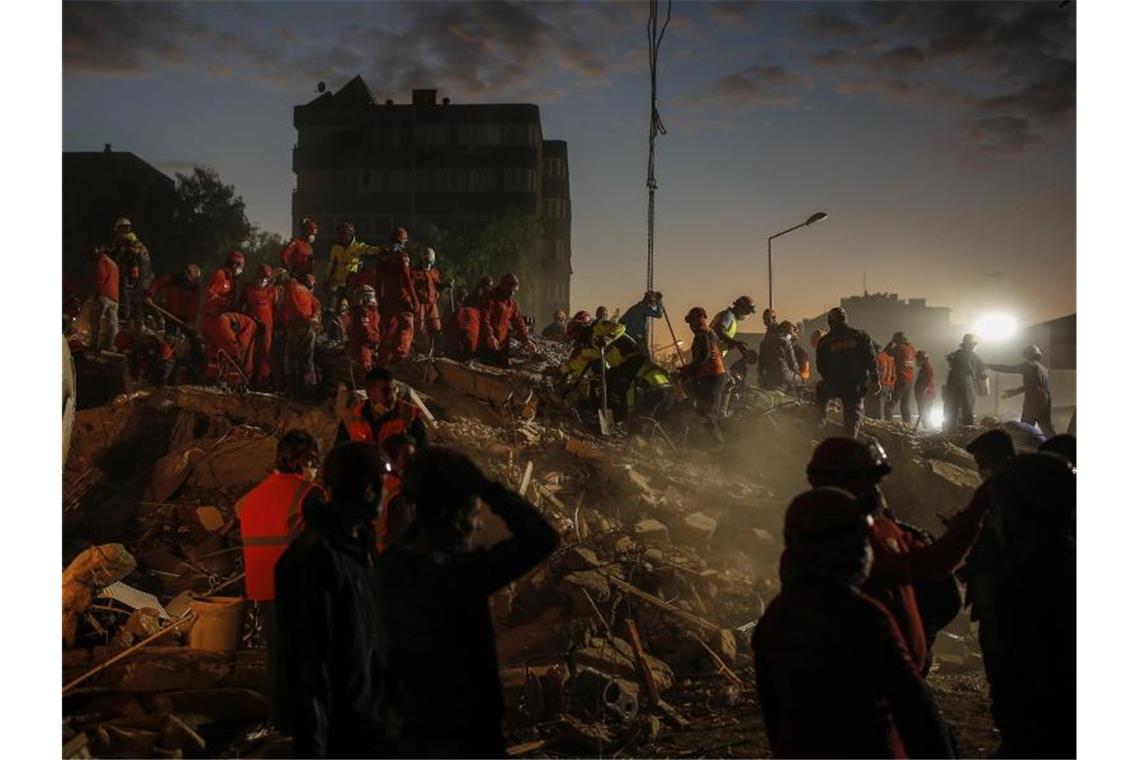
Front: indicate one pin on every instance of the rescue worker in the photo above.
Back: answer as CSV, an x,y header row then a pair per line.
x,y
364,332
230,339
150,357
725,325
601,313
180,295
556,330
299,314
462,335
270,516
435,617
124,234
923,389
395,511
499,317
330,667
1037,408
878,403
397,299
901,559
706,370
258,301
297,255
135,276
381,414
845,358
105,303
345,259
958,395
833,673
219,294
905,359
425,278
578,331
803,361
778,367
636,319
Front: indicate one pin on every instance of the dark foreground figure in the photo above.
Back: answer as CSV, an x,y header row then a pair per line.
x,y
444,692
834,675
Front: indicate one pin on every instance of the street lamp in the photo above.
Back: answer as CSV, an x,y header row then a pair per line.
x,y
818,216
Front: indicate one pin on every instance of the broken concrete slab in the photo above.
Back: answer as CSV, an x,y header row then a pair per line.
x,y
651,532
93,570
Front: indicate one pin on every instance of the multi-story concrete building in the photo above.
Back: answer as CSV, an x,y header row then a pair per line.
x,y
379,165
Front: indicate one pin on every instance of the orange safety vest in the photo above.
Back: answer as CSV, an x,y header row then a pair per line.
x,y
270,517
886,370
359,430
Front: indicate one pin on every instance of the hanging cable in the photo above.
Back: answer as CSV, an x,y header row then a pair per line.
x,y
656,126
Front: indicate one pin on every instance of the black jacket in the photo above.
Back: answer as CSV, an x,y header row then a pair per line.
x,y
845,358
330,663
445,692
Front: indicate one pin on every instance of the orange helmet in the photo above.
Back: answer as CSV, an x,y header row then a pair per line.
x,y
236,259
309,281
265,271
308,226
509,280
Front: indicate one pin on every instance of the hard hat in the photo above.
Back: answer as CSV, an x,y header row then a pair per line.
x,y
837,316
899,337
969,339
839,460
696,313
429,255
509,280
122,222
822,515
193,272
581,317
347,227
308,226
265,271
236,258
1032,352
398,233
363,295
309,281
744,305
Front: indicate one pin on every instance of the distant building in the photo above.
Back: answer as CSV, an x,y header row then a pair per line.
x,y
380,165
99,187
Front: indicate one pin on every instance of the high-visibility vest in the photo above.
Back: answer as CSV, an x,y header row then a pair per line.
x,y
729,332
269,517
359,430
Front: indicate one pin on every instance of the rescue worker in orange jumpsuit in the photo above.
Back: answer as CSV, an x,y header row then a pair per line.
x,y
364,330
219,294
462,334
269,516
901,558
426,280
397,298
905,358
499,316
299,314
234,335
706,370
105,304
381,415
180,295
879,403
258,300
297,255
924,389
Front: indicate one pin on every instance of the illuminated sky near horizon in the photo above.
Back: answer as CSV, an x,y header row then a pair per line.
x,y
940,137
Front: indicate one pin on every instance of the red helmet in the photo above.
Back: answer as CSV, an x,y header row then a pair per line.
x,y
236,259
399,234
509,281
309,281
347,228
308,226
696,313
265,271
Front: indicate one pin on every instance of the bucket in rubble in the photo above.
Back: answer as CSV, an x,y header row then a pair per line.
x,y
218,627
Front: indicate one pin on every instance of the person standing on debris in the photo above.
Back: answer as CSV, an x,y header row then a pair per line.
x,y
778,366
397,299
381,415
364,332
636,319
879,404
105,303
425,277
725,325
833,673
331,669
906,363
924,389
845,359
1037,408
258,301
219,294
229,339
902,560
556,330
803,361
346,258
441,655
269,517
180,295
706,370
500,316
958,396
297,255
299,315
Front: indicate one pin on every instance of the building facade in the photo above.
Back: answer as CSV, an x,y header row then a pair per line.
x,y
455,166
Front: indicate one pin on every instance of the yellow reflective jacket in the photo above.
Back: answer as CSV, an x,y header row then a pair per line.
x,y
725,324
344,260
580,360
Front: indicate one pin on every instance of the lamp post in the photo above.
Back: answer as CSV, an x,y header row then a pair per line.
x,y
818,216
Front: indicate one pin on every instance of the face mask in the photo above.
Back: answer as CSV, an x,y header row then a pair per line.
x,y
311,238
262,282
238,271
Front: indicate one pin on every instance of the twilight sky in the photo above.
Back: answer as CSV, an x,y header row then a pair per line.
x,y
940,137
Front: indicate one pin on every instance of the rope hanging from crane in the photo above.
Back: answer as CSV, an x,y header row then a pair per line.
x,y
656,126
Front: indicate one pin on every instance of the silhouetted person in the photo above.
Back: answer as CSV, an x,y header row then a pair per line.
x,y
331,677
833,673
992,451
845,358
1063,444
1037,407
959,395
446,697
1024,599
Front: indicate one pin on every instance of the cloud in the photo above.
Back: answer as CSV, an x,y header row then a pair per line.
x,y
835,58
888,90
902,59
829,24
770,86
734,13
122,38
1002,134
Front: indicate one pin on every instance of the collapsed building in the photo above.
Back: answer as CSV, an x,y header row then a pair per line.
x,y
631,637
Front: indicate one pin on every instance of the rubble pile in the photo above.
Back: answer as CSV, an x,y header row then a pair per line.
x,y
632,637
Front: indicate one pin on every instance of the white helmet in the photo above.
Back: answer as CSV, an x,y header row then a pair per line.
x,y
429,256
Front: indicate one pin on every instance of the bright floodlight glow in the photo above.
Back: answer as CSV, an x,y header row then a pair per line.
x,y
996,327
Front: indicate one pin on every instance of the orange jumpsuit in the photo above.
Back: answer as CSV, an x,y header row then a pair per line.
x,y
219,294
258,303
426,282
177,299
398,305
297,257
233,334
364,335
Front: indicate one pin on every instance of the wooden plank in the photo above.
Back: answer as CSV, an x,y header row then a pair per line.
x,y
688,617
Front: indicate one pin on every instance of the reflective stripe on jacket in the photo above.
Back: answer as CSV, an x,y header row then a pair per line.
x,y
270,516
360,430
